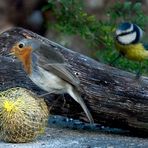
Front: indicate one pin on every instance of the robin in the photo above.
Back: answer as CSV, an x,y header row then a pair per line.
x,y
47,69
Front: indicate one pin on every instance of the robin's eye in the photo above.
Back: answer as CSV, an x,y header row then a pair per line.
x,y
21,45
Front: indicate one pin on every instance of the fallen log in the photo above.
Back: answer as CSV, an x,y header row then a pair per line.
x,y
114,97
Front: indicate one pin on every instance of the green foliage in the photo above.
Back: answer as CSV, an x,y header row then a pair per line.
x,y
72,19
128,11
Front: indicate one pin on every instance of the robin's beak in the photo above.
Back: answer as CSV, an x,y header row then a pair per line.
x,y
12,52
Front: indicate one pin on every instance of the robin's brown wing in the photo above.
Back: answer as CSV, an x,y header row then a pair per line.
x,y
53,62
49,54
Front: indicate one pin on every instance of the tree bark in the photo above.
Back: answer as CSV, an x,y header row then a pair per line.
x,y
114,97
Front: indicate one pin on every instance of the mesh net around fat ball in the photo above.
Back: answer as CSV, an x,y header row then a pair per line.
x,y
23,116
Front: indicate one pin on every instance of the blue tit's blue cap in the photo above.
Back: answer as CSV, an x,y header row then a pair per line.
x,y
124,26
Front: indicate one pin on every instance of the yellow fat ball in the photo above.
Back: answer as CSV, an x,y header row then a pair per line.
x,y
23,116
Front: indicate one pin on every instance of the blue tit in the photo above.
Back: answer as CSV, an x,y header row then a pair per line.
x,y
128,42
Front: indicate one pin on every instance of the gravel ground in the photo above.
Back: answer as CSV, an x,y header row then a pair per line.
x,y
58,136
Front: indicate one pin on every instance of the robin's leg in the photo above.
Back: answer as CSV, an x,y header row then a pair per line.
x,y
45,94
54,102
139,71
112,62
60,96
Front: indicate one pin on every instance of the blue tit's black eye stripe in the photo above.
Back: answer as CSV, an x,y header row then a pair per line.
x,y
125,33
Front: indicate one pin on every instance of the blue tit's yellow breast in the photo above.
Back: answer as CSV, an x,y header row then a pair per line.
x,y
134,52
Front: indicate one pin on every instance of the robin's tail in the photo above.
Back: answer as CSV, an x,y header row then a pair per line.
x,y
76,96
